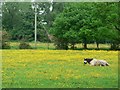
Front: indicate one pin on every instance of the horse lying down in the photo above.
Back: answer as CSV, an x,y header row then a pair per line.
x,y
95,62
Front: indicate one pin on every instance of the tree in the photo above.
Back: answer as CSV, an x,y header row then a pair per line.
x,y
11,17
70,25
109,16
86,22
114,21
48,12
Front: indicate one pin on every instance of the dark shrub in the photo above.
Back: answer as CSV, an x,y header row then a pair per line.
x,y
4,40
5,45
24,45
115,46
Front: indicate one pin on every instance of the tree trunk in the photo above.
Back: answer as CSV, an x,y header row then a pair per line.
x,y
73,46
85,45
97,45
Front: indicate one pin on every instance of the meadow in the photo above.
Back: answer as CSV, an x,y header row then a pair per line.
x,y
58,69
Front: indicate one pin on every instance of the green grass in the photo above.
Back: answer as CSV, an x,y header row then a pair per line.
x,y
57,69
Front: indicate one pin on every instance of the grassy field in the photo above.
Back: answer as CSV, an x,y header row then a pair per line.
x,y
46,46
57,69
40,45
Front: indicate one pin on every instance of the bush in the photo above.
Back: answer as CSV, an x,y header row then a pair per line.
x,y
5,45
4,36
4,39
115,47
24,45
61,45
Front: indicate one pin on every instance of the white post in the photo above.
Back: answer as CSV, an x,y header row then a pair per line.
x,y
35,25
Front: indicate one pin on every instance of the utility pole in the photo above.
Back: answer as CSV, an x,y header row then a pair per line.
x,y
35,25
